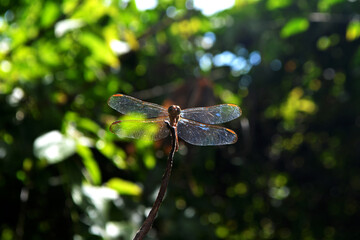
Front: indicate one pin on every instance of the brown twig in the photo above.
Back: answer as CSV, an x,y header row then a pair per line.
x,y
146,226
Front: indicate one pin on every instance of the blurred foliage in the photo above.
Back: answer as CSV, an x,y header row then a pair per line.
x,y
292,66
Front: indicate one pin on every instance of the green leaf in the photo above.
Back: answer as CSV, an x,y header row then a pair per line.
x,y
124,187
117,155
89,163
274,4
99,49
49,14
325,5
88,124
353,31
48,54
294,26
149,159
89,11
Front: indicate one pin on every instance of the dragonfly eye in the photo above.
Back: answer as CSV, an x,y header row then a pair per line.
x,y
174,110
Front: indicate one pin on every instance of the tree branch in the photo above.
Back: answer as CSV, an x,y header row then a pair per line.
x,y
146,226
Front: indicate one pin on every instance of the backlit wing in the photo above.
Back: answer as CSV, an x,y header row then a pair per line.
x,y
126,104
150,129
203,134
212,115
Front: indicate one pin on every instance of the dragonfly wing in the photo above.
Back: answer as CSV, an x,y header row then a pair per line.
x,y
126,104
203,134
212,115
150,129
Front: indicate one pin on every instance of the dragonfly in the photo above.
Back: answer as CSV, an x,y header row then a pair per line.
x,y
194,125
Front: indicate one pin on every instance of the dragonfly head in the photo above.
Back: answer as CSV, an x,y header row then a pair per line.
x,y
174,110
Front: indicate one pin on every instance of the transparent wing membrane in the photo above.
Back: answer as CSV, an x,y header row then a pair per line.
x,y
126,104
212,115
150,129
203,134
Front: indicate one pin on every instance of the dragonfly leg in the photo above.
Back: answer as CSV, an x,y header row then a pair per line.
x,y
177,141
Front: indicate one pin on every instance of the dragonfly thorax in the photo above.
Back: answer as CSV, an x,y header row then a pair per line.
x,y
174,115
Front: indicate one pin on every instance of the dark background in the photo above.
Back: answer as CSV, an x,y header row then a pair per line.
x,y
292,66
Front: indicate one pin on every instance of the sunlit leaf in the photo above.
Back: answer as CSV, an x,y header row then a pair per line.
x,y
186,28
325,5
99,197
222,232
27,164
88,124
124,187
50,13
90,11
241,3
48,54
131,40
119,230
323,43
294,26
26,64
67,25
89,163
100,50
307,105
353,31
274,4
54,147
279,192
227,96
149,159
69,5
117,155
295,103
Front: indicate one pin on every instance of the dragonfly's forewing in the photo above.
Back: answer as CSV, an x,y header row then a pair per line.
x,y
203,134
212,115
150,129
126,104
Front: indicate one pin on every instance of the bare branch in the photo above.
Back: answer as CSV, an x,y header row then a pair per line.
x,y
146,226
